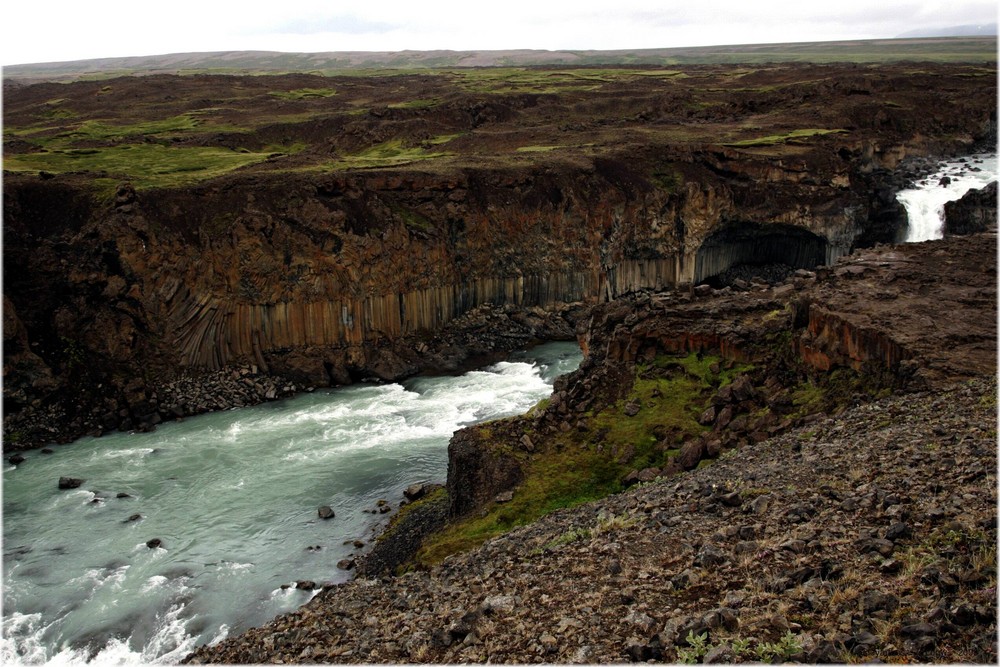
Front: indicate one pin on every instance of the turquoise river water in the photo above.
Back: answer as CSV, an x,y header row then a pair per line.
x,y
233,497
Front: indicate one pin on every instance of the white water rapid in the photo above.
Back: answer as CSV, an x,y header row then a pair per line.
x,y
925,202
233,496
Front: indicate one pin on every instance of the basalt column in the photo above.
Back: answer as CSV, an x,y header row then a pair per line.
x,y
755,244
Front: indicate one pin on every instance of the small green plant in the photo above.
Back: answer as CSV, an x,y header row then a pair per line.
x,y
568,537
607,523
784,649
699,647
741,647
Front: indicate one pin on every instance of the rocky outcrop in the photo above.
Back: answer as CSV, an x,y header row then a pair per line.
x,y
321,271
891,318
478,470
975,212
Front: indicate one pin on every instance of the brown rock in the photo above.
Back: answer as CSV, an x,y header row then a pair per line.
x,y
691,454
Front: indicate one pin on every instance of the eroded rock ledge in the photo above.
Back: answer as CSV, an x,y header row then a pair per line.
x,y
864,533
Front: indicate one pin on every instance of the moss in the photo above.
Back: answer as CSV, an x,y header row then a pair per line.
x,y
773,139
412,219
575,467
416,104
386,154
146,165
435,496
303,93
667,180
537,149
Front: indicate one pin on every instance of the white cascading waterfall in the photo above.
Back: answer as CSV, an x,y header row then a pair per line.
x,y
925,201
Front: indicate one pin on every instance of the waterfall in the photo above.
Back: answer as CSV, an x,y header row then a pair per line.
x,y
925,201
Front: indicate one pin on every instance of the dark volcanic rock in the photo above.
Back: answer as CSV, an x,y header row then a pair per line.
x,y
477,471
975,212
70,482
405,535
415,491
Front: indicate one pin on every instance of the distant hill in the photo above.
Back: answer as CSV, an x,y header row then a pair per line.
x,y
946,49
978,30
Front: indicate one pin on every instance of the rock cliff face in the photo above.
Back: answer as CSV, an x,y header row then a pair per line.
x,y
323,276
895,318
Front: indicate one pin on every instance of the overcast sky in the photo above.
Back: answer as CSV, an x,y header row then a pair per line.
x,y
54,30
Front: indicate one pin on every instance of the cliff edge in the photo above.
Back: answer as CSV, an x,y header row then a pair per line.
x,y
264,234
853,520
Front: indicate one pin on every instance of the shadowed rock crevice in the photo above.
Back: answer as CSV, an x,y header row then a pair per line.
x,y
754,244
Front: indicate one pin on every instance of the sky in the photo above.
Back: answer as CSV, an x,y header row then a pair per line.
x,y
33,31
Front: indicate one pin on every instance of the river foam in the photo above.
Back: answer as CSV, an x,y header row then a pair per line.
x,y
233,498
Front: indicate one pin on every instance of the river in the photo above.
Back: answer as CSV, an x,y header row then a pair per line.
x,y
233,497
925,201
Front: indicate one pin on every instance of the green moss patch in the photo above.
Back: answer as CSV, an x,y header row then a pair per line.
x,y
773,139
146,165
303,93
387,154
579,466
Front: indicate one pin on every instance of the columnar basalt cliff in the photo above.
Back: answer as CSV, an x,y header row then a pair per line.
x,y
367,216
896,318
836,522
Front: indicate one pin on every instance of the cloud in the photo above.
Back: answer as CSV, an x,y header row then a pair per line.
x,y
109,28
340,24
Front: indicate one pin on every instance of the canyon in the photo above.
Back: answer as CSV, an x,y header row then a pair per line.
x,y
828,496
781,442
323,230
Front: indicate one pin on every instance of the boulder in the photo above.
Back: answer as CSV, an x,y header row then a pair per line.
x,y
15,459
504,497
725,416
691,454
154,543
70,482
742,388
708,416
415,492
325,512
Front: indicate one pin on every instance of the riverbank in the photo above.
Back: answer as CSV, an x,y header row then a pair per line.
x,y
813,515
218,523
482,336
869,535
